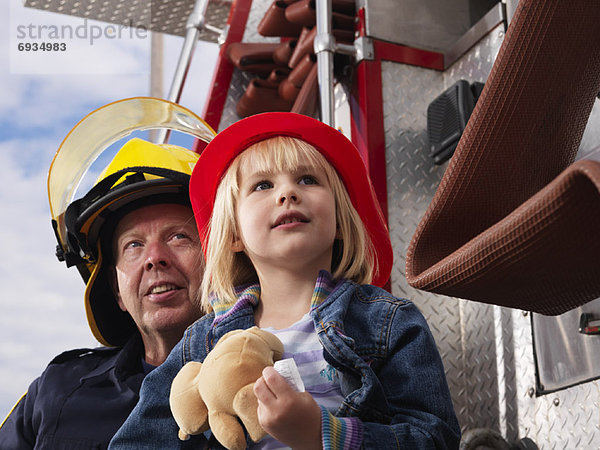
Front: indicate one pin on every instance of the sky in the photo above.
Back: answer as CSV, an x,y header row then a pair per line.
x,y
43,94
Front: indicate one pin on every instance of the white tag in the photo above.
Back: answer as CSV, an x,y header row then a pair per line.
x,y
287,369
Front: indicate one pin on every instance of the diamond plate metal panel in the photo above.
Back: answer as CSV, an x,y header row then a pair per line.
x,y
464,331
166,16
257,11
239,82
506,357
479,388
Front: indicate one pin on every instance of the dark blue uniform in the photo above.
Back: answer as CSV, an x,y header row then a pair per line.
x,y
79,401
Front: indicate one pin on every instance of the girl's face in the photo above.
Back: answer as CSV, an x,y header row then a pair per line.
x,y
286,218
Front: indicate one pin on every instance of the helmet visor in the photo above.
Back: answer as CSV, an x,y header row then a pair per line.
x,y
99,130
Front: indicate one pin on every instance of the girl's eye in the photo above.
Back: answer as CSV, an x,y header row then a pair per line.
x,y
308,179
263,185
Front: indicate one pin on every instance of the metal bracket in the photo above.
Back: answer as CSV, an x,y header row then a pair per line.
x,y
365,50
223,36
324,42
362,49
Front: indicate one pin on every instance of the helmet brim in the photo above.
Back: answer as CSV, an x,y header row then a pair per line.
x,y
110,325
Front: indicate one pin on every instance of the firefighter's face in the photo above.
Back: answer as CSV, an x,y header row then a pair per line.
x,y
158,268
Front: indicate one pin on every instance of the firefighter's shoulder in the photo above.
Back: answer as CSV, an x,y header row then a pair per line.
x,y
79,353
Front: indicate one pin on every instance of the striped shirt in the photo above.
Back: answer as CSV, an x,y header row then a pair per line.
x,y
320,379
301,343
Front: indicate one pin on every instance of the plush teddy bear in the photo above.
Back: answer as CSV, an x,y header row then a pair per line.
x,y
215,393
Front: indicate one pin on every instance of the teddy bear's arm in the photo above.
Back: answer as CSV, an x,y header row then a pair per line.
x,y
245,406
188,408
227,430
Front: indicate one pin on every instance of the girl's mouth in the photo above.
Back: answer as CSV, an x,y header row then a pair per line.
x,y
290,217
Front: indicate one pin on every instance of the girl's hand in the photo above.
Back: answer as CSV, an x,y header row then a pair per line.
x,y
291,417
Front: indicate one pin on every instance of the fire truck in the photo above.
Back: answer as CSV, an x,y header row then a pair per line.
x,y
409,82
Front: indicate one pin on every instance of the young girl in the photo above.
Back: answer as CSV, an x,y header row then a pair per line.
x,y
293,236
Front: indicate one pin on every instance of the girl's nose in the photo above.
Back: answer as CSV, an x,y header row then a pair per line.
x,y
288,195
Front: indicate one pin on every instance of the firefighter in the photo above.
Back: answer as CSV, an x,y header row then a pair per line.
x,y
133,238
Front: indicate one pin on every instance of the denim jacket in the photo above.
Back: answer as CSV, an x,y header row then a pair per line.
x,y
391,375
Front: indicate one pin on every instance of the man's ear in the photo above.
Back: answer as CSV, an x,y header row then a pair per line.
x,y
114,285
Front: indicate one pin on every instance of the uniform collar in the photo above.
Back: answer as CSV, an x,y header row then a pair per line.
x,y
124,363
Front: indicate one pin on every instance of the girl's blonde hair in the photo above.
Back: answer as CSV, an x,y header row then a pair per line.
x,y
353,256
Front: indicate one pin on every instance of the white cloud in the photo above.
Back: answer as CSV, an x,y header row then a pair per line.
x,y
41,301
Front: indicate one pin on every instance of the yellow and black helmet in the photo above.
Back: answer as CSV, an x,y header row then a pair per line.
x,y
140,174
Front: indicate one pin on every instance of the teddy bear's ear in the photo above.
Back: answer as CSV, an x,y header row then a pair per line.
x,y
277,355
188,408
272,341
230,334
